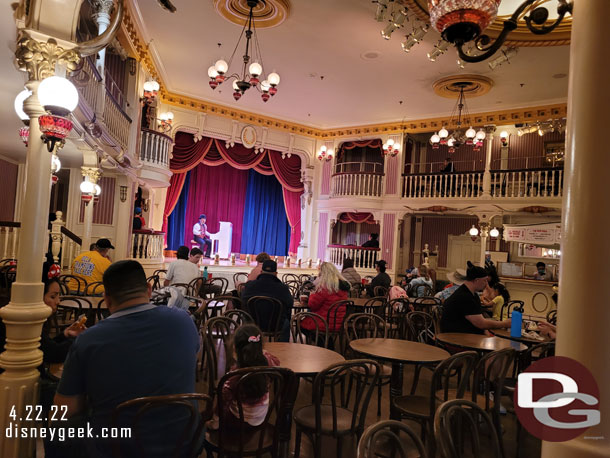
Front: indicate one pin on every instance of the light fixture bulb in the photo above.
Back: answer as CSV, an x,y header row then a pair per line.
x,y
451,142
147,86
58,95
97,189
55,164
212,73
443,133
473,231
255,69
170,115
274,79
481,135
19,104
435,138
471,133
163,117
265,86
390,142
86,187
494,233
388,31
235,86
155,86
503,134
221,66
323,148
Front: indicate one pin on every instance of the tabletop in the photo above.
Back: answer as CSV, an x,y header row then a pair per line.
x,y
404,351
303,359
505,334
478,342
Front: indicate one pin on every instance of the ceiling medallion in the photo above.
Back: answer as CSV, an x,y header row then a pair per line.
x,y
269,13
470,85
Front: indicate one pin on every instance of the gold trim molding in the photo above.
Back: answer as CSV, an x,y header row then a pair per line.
x,y
269,13
474,86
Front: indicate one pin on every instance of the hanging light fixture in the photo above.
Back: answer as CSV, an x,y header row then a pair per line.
x,y
24,131
495,233
252,73
463,21
391,148
59,97
458,138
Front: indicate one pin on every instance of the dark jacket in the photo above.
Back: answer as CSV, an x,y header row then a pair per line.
x,y
271,286
382,279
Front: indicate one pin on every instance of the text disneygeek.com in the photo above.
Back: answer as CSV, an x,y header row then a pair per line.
x,y
59,433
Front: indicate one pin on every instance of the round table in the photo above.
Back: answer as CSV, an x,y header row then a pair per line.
x,y
303,360
478,342
505,334
398,352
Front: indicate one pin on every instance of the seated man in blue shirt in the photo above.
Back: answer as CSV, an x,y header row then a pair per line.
x,y
140,350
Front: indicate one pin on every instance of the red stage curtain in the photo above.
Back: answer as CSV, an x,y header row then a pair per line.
x,y
220,193
176,182
292,203
351,217
374,143
187,154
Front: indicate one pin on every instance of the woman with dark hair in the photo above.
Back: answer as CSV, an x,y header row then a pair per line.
x,y
248,352
500,297
349,273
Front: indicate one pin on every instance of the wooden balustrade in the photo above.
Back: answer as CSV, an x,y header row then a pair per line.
x,y
87,81
356,185
154,147
364,258
443,185
147,245
9,239
116,121
547,182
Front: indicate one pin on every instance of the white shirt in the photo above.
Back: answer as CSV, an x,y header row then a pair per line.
x,y
182,271
200,230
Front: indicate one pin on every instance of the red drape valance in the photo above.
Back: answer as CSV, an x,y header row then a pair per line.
x,y
374,143
352,217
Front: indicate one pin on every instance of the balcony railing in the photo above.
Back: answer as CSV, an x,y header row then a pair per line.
x,y
357,179
547,182
9,238
364,258
147,245
443,185
154,147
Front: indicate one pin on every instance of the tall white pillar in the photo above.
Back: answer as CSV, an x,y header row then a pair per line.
x,y
584,313
93,173
101,16
489,139
26,312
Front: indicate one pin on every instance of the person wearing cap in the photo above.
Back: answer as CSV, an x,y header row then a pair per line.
x,y
381,279
202,236
456,279
267,284
138,220
462,311
91,265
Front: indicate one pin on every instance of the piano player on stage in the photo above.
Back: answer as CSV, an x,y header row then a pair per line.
x,y
202,236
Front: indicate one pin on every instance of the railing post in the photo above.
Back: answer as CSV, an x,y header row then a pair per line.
x,y
489,130
56,236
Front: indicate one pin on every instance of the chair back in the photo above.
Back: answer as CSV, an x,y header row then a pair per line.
x,y
356,290
94,289
312,337
380,291
534,353
267,313
305,278
240,277
154,281
294,286
394,313
551,317
489,376
234,433
364,326
217,305
65,288
508,307
185,437
390,438
161,273
373,305
217,334
420,290
328,388
464,419
290,277
239,316
336,313
458,366
421,327
426,304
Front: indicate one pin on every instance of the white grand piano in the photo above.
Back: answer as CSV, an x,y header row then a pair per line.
x,y
221,240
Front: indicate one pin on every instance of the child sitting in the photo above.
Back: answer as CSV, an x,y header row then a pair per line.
x,y
248,352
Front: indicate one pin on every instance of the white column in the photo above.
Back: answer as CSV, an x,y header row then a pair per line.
x,y
583,334
489,139
26,312
93,173
101,16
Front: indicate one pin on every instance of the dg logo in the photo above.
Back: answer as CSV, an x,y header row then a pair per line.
x,y
557,399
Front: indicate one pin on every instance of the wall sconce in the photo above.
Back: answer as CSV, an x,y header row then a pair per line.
x,y
165,121
89,187
474,232
123,193
131,64
325,153
495,233
151,89
504,138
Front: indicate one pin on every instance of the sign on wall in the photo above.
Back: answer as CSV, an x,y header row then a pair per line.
x,y
535,234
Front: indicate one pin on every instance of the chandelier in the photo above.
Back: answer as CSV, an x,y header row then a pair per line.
x,y
252,73
391,148
461,23
458,137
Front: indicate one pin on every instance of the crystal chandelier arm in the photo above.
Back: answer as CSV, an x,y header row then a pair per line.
x,y
540,15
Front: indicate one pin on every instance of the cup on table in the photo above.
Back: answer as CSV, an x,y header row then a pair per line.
x,y
304,298
363,281
209,275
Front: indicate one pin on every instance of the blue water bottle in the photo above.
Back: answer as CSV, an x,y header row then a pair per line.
x,y
205,273
517,320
